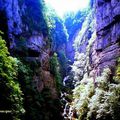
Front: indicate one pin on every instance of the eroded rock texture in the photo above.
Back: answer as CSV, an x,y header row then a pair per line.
x,y
27,37
108,34
99,38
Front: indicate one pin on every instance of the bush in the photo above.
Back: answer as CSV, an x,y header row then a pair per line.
x,y
54,68
38,105
11,94
117,76
78,67
99,103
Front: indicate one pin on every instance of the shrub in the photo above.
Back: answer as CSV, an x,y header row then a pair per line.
x,y
117,76
78,67
38,105
99,103
11,94
54,68
82,94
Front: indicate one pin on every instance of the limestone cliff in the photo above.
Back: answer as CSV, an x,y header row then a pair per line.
x,y
91,40
27,37
98,39
96,64
108,35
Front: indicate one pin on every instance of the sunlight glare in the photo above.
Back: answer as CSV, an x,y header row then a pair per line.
x,y
63,6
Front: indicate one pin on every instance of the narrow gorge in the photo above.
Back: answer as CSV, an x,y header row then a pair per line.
x,y
59,60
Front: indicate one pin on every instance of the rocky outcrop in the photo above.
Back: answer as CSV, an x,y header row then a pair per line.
x,y
108,34
100,58
13,19
27,37
99,38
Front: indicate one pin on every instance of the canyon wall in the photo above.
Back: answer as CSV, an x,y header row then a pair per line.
x,y
99,37
108,35
96,42
97,63
26,33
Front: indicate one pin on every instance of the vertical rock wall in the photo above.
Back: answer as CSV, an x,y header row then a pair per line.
x,y
108,35
27,37
99,38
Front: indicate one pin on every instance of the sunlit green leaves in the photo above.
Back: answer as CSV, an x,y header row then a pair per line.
x,y
54,68
97,102
11,93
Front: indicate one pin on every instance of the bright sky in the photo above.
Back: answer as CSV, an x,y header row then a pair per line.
x,y
63,6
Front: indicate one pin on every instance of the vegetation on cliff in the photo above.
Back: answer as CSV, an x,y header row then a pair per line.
x,y
41,83
100,101
55,70
38,105
11,97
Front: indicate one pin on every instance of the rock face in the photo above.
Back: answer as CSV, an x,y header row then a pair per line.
x,y
26,32
27,37
108,34
13,19
104,49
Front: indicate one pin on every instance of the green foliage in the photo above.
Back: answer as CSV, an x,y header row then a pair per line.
x,y
78,67
85,32
38,105
11,94
99,103
50,15
63,61
105,103
57,30
117,76
54,68
82,44
32,98
74,21
82,94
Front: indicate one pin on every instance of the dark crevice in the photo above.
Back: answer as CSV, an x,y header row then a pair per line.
x,y
116,20
107,0
33,53
4,26
100,3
